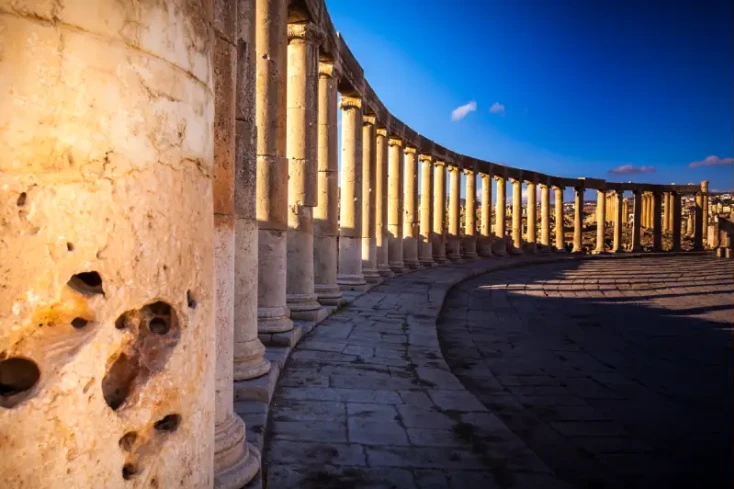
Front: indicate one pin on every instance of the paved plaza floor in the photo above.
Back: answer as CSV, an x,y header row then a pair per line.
x,y
581,373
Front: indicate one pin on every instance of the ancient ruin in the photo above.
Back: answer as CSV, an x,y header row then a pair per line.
x,y
173,208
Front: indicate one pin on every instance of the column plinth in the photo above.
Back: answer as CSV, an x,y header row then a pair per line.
x,y
381,203
425,246
516,216
601,218
453,251
500,214
350,225
410,211
395,206
470,214
369,245
439,213
578,221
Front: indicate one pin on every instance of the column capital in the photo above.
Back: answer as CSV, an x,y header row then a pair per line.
x,y
515,180
326,69
499,177
559,187
349,102
410,150
440,163
368,120
467,171
704,186
393,141
425,157
381,131
543,185
452,167
304,31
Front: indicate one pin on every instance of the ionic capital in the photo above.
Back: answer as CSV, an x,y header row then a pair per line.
x,y
305,31
326,69
393,141
705,186
452,168
382,132
440,164
348,102
425,157
410,151
559,187
499,178
369,120
468,171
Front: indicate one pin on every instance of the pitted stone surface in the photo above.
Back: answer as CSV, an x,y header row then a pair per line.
x,y
367,401
617,373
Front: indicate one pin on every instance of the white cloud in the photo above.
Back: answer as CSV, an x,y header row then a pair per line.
x,y
631,170
712,161
462,111
497,108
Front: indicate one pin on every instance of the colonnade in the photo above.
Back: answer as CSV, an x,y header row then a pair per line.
x,y
175,202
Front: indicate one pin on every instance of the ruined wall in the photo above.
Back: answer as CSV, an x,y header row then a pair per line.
x,y
106,273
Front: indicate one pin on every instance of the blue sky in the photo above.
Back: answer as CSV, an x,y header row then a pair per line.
x,y
579,88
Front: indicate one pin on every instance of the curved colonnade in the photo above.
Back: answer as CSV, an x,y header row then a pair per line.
x,y
156,159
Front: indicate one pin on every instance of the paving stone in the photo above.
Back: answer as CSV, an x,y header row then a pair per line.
x,y
423,457
320,431
302,452
342,395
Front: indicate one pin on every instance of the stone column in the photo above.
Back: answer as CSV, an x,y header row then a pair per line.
x,y
657,221
698,223
425,246
395,207
410,210
578,220
301,147
326,225
601,212
499,213
637,221
650,210
470,215
532,218
381,190
545,217
369,247
705,210
454,248
106,169
485,242
271,41
439,213
560,221
625,210
249,360
350,275
618,224
667,211
516,216
235,461
643,221
675,196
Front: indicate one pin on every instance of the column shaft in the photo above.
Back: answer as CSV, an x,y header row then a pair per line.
x,y
500,214
705,211
516,215
350,275
301,147
637,221
578,220
425,246
410,211
439,213
618,223
381,191
559,218
470,214
545,217
532,234
271,40
395,206
454,244
326,213
657,223
369,246
698,223
676,221
485,242
601,213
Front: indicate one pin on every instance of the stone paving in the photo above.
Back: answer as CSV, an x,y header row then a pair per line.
x,y
617,373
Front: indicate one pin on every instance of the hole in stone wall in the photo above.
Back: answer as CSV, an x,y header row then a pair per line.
x,y
159,325
17,376
128,440
190,300
79,323
21,199
129,471
168,423
87,283
118,380
69,246
125,320
160,322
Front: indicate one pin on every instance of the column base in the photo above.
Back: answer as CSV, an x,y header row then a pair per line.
x,y
599,252
351,282
236,462
249,360
371,275
328,295
304,307
274,319
455,259
427,263
440,260
412,264
470,255
397,267
516,251
384,270
618,250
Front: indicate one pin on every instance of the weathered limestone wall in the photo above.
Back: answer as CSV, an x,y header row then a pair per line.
x,y
107,289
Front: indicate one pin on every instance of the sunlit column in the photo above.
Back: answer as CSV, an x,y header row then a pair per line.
x,y
676,221
618,224
657,221
395,207
625,210
705,210
698,222
500,213
369,247
601,213
578,220
637,221
439,213
381,191
425,246
516,216
326,225
470,215
350,275
410,210
454,248
560,221
485,241
545,217
532,218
